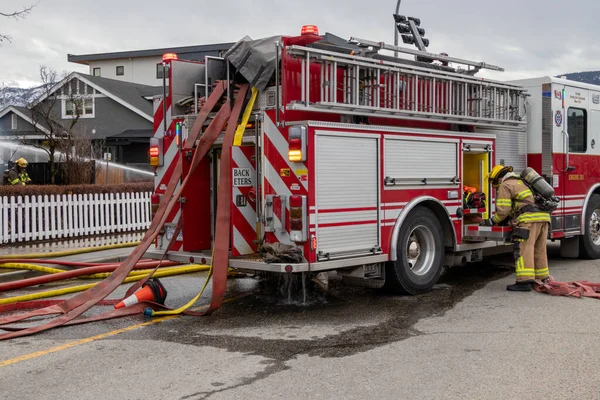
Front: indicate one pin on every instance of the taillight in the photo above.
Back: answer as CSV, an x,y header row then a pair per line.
x,y
297,144
298,219
155,152
154,201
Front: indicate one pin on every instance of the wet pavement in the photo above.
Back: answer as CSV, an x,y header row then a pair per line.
x,y
467,338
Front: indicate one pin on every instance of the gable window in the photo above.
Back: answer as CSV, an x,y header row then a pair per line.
x,y
577,129
120,70
84,107
13,121
96,71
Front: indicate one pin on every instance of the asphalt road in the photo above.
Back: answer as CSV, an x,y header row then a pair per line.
x,y
467,339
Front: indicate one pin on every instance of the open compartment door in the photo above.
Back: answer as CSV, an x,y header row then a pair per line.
x,y
477,193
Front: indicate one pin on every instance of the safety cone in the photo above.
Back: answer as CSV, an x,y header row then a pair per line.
x,y
153,290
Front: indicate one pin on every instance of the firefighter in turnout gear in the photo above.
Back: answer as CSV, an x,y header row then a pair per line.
x,y
18,174
515,202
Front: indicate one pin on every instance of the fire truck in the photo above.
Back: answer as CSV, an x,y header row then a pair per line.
x,y
364,162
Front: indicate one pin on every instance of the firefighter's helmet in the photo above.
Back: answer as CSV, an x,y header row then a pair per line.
x,y
21,162
497,172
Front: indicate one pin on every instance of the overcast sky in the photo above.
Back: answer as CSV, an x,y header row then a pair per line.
x,y
527,37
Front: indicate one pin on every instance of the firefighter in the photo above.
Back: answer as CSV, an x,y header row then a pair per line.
x,y
515,203
18,173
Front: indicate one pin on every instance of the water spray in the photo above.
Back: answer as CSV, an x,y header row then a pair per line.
x,y
35,152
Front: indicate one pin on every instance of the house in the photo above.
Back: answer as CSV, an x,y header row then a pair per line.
x,y
143,66
116,114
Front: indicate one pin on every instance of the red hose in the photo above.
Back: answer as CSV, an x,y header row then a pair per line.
x,y
34,304
38,280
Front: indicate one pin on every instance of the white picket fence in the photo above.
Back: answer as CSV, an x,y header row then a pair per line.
x,y
31,218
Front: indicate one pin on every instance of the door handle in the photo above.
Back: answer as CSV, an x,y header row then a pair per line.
x,y
566,147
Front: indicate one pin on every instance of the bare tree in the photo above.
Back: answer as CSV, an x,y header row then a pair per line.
x,y
79,153
59,134
22,13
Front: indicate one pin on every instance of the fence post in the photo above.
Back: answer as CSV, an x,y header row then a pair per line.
x,y
70,213
4,212
111,213
102,204
86,213
20,230
53,216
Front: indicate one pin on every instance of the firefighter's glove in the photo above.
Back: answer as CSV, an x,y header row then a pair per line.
x,y
486,222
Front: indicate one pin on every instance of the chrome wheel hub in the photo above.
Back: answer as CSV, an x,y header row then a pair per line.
x,y
420,250
595,227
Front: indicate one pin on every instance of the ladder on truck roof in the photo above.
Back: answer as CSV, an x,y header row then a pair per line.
x,y
362,85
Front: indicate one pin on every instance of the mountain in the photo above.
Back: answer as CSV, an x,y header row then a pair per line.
x,y
591,77
17,96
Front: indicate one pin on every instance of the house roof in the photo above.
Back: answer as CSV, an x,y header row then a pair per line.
x,y
24,113
86,58
132,93
129,95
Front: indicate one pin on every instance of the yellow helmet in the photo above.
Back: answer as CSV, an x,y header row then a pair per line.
x,y
496,172
21,162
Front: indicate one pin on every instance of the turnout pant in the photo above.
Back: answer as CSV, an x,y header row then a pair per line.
x,y
531,259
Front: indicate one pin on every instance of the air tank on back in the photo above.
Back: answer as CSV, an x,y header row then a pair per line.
x,y
538,183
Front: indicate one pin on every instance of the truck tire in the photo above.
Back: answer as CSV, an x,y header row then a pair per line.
x,y
589,243
420,254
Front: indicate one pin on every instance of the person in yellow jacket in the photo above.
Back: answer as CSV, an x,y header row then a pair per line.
x,y
18,174
515,202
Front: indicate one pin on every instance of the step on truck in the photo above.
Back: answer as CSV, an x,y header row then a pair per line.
x,y
354,160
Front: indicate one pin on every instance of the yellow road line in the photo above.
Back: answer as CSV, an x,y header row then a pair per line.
x,y
98,337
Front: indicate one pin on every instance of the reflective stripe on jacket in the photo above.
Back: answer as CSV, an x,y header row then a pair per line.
x,y
513,195
15,178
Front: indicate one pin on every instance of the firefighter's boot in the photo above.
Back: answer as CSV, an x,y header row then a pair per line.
x,y
525,286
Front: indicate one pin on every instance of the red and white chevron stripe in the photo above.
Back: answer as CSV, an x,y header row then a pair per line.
x,y
280,176
243,218
170,156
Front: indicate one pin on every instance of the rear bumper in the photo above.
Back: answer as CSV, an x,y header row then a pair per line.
x,y
254,263
251,263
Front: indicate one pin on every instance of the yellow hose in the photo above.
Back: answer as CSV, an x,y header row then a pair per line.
x,y
73,289
69,252
32,267
102,275
49,270
193,300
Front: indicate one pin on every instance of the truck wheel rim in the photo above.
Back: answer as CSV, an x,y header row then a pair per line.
x,y
420,250
595,227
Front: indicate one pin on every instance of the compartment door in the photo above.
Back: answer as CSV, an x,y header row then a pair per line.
x,y
347,194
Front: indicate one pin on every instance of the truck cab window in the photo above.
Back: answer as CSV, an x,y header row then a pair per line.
x,y
577,129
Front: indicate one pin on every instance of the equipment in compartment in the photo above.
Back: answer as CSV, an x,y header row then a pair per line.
x,y
475,187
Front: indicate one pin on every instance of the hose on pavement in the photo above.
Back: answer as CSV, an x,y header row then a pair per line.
x,y
95,272
74,289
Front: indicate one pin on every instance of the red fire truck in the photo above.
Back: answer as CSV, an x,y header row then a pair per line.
x,y
372,165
